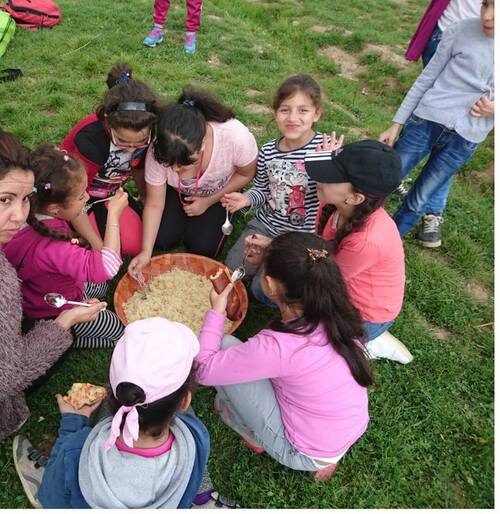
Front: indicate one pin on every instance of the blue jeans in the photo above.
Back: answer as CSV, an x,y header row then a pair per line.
x,y
258,293
432,44
373,330
448,153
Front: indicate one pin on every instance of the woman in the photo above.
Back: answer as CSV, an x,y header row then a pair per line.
x,y
23,358
200,153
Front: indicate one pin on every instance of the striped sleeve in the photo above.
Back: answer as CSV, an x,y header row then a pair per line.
x,y
260,190
111,261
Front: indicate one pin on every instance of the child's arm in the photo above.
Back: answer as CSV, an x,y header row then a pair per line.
x,y
423,83
82,225
116,207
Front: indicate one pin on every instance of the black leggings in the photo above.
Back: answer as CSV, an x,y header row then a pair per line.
x,y
200,234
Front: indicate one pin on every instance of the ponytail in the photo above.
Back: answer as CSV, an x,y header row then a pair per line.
x,y
302,263
183,125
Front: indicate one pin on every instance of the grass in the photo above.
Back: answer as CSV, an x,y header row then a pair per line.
x,y
430,441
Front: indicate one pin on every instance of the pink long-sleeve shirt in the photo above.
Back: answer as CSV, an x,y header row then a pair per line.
x,y
324,410
46,265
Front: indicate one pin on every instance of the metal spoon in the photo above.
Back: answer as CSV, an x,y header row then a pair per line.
x,y
238,274
57,300
90,205
227,227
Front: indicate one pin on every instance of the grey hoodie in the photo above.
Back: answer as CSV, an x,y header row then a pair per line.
x,y
115,479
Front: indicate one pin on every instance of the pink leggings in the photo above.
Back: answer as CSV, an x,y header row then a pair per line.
x,y
130,231
193,13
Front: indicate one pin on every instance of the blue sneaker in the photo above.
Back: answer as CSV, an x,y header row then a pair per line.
x,y
154,38
190,43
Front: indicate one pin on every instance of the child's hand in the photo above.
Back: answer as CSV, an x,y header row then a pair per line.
x,y
235,201
332,145
389,136
138,263
255,246
219,301
76,315
483,108
118,203
66,408
197,205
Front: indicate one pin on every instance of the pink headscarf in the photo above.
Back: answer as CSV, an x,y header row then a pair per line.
x,y
155,354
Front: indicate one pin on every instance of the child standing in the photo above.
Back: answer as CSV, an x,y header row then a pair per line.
x,y
151,453
283,194
448,111
193,16
297,390
112,144
49,259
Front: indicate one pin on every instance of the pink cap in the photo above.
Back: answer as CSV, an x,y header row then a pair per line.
x,y
157,355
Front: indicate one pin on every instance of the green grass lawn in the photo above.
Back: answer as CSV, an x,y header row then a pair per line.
x,y
430,441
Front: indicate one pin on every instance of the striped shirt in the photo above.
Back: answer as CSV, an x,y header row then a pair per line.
x,y
111,261
284,195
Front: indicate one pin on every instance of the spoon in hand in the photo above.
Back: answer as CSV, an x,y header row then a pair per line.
x,y
57,300
227,227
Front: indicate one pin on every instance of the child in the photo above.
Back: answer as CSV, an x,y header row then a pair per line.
x,y
200,153
298,389
446,114
47,257
283,194
193,16
150,454
112,144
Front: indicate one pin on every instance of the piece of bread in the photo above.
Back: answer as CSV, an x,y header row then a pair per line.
x,y
82,394
220,280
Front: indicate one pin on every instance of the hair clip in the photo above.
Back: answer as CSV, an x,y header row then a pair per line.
x,y
35,189
188,103
47,186
315,255
64,151
124,77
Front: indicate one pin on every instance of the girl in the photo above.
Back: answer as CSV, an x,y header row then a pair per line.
x,y
201,152
297,390
48,258
283,194
193,16
23,359
150,454
112,144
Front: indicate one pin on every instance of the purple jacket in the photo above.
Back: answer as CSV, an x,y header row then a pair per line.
x,y
425,28
46,265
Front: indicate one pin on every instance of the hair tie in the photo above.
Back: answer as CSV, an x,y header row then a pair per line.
x,y
35,189
47,186
124,77
315,255
64,151
188,103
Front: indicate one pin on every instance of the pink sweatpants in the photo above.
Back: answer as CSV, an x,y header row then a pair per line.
x,y
193,13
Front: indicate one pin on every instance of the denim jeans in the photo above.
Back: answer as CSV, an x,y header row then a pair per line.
x,y
432,44
373,330
448,153
258,293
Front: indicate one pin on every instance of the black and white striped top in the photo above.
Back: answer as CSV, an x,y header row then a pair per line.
x,y
283,193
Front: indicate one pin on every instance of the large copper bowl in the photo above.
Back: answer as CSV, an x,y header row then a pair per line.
x,y
184,261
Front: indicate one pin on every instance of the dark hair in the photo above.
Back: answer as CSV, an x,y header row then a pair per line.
x,y
154,417
13,154
303,83
361,213
55,174
123,88
183,125
317,286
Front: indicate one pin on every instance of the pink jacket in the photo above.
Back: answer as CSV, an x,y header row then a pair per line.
x,y
46,265
425,28
324,410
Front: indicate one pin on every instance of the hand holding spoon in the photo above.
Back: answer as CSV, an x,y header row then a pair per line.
x,y
57,300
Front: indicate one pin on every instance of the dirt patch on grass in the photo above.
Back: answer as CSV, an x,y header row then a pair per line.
x,y
487,175
214,17
440,333
259,109
349,66
477,291
252,92
387,54
359,133
344,110
322,28
214,61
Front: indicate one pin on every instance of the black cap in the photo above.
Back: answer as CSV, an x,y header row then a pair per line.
x,y
370,166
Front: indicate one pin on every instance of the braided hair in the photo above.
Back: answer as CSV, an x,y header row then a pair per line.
x,y
55,174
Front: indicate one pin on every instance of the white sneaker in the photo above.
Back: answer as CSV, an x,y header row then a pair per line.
x,y
386,346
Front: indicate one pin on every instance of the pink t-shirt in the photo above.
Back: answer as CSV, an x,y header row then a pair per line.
x,y
234,146
324,410
148,452
372,262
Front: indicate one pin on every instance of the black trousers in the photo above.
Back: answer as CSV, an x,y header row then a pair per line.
x,y
200,234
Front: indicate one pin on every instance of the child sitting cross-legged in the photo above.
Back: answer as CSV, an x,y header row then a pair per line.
x,y
298,389
150,454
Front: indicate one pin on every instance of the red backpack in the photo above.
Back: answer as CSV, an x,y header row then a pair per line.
x,y
33,14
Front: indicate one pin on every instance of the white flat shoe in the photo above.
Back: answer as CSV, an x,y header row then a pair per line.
x,y
386,346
